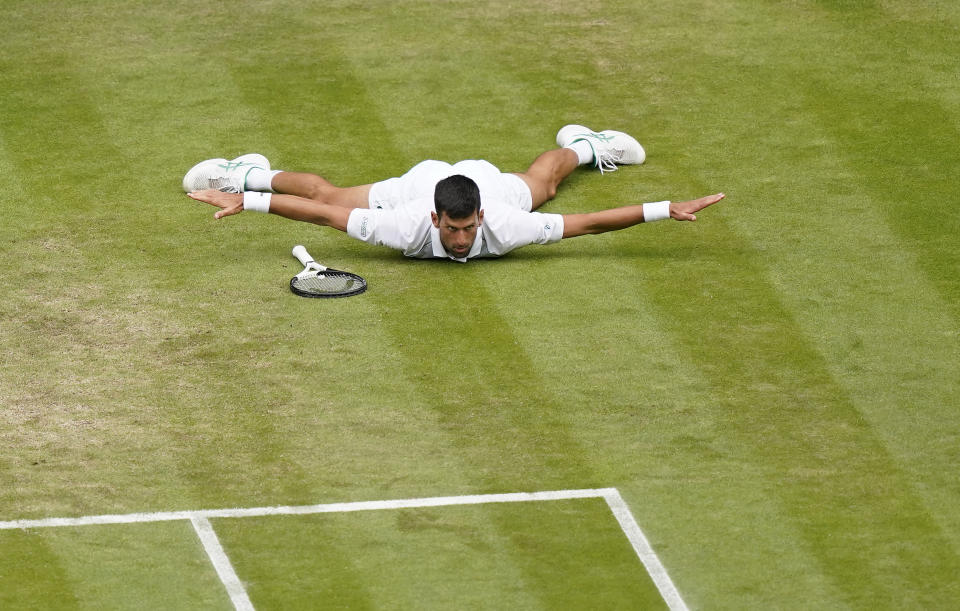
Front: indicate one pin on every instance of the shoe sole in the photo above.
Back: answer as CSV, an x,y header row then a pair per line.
x,y
190,177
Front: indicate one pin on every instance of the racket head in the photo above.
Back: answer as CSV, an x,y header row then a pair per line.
x,y
327,283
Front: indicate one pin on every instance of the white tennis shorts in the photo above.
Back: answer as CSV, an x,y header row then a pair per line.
x,y
421,180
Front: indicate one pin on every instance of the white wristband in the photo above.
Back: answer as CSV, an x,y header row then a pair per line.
x,y
256,201
657,211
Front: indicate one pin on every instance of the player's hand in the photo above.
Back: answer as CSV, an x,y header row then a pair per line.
x,y
686,211
229,203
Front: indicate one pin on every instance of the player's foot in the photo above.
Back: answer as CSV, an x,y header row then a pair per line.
x,y
223,175
610,148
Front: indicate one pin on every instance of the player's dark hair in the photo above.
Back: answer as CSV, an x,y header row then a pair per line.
x,y
458,196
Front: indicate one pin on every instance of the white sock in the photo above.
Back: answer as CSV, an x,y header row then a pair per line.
x,y
259,179
583,150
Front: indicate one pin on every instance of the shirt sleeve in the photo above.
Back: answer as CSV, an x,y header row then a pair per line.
x,y
506,229
400,228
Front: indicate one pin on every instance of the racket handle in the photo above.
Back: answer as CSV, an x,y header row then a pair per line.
x,y
301,254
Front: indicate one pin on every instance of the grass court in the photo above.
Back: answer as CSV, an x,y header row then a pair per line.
x,y
771,391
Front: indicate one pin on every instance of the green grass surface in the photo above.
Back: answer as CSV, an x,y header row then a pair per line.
x,y
773,389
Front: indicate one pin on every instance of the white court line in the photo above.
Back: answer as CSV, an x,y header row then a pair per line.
x,y
642,547
200,520
211,543
165,516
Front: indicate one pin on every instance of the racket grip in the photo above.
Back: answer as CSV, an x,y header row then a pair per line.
x,y
301,254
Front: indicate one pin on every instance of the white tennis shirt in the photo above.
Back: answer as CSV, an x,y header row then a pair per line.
x,y
399,213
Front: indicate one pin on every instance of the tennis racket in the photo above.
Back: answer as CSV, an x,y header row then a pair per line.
x,y
319,281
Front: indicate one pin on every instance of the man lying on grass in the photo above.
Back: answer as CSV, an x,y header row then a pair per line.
x,y
460,211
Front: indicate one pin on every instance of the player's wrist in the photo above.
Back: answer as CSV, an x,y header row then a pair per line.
x,y
256,201
656,211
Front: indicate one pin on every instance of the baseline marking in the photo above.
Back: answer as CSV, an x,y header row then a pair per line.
x,y
238,595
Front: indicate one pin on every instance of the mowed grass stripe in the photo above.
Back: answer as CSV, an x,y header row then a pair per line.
x,y
14,200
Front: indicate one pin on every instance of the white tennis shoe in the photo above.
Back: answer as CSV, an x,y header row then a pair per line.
x,y
223,175
610,148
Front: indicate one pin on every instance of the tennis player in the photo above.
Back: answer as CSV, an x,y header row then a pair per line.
x,y
438,210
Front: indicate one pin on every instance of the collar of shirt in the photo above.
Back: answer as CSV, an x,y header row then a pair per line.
x,y
441,252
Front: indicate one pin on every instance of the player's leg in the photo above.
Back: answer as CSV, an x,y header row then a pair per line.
x,y
312,186
581,146
417,183
547,171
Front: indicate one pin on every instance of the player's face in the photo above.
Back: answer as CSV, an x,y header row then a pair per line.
x,y
457,235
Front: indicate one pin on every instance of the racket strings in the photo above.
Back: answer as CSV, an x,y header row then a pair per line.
x,y
328,283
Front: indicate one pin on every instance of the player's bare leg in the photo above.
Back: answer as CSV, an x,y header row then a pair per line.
x,y
547,172
317,188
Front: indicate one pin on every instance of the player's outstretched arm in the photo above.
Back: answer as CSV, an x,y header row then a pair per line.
x,y
287,206
628,216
